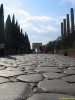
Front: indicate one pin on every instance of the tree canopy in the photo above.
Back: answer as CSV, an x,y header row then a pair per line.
x,y
12,35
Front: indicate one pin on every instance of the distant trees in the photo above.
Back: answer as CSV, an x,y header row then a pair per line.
x,y
51,46
56,44
13,37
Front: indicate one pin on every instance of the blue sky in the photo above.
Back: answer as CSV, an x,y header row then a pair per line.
x,y
39,18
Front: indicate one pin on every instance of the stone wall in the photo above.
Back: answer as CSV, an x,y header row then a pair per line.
x,y
70,52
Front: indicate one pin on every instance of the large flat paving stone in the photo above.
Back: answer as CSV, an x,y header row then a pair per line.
x,y
29,68
2,80
62,66
14,91
70,78
12,69
69,72
31,63
30,77
57,86
7,73
47,69
8,64
2,67
72,63
73,68
53,75
51,96
46,65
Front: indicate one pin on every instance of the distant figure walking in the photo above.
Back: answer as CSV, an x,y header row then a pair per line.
x,y
2,46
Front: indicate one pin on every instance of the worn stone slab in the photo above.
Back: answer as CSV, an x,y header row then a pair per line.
x,y
69,72
30,77
12,69
8,64
72,63
57,86
48,69
53,75
36,76
2,67
69,78
31,63
62,66
47,65
2,80
7,73
51,96
73,68
14,91
29,68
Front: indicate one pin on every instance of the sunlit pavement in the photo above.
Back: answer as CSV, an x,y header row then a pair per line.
x,y
37,77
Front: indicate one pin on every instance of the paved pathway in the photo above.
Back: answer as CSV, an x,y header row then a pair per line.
x,y
37,77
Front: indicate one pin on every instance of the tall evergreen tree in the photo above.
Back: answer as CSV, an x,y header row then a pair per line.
x,y
13,32
2,34
27,43
12,35
8,34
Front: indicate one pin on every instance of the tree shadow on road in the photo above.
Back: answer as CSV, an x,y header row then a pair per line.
x,y
10,57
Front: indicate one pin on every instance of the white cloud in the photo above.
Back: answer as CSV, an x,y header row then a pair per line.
x,y
45,29
37,28
51,28
65,1
39,24
8,10
28,15
41,18
16,11
24,13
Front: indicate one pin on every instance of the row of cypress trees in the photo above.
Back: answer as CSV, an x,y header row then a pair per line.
x,y
12,36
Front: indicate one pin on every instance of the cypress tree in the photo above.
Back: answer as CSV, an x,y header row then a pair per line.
x,y
2,34
8,34
13,32
12,35
27,43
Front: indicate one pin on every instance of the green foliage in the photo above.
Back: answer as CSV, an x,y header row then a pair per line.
x,y
51,46
15,40
54,45
2,34
27,43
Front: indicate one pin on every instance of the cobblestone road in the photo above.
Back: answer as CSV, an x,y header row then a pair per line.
x,y
37,77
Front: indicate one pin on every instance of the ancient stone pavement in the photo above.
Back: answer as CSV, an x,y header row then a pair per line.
x,y
37,77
